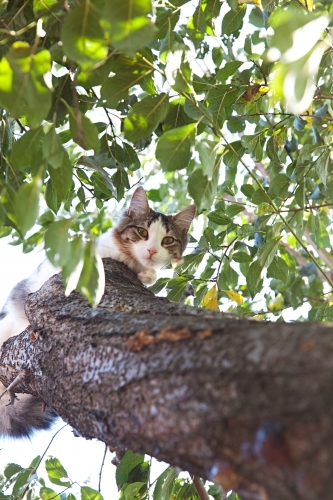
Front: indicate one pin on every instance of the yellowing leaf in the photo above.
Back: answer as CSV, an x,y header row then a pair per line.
x,y
263,89
277,303
255,2
235,296
210,299
308,119
307,3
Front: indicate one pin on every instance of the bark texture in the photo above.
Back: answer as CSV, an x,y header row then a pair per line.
x,y
246,404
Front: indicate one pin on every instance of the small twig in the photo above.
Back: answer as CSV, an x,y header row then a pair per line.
x,y
41,458
101,469
199,486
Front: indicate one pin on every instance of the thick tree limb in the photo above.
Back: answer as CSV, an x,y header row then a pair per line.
x,y
247,404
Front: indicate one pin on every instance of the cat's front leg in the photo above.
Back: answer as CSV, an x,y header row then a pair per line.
x,y
148,276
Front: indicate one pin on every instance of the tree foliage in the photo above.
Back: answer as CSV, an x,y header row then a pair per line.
x,y
234,102
228,103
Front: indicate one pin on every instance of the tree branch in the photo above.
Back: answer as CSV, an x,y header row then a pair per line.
x,y
244,403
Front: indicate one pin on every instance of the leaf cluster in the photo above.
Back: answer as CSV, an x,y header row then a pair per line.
x,y
91,93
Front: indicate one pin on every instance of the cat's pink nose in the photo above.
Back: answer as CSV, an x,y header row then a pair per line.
x,y
151,252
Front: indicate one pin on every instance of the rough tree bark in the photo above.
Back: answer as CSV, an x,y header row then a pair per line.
x,y
244,403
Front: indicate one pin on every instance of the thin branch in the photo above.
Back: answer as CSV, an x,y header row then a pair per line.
x,y
199,486
101,469
41,458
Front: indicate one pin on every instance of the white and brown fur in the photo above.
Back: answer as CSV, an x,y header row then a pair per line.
x,y
144,240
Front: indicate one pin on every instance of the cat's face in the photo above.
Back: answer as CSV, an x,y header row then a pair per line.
x,y
152,238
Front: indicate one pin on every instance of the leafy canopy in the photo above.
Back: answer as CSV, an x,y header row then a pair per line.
x,y
232,99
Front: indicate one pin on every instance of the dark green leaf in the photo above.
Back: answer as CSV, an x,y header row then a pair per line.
x,y
26,148
228,70
127,463
278,269
164,484
233,20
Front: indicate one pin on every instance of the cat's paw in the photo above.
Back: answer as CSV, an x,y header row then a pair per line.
x,y
148,276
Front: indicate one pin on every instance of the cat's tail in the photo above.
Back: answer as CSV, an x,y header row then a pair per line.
x,y
24,416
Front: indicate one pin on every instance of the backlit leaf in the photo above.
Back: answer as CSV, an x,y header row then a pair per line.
x,y
235,296
145,116
210,300
174,147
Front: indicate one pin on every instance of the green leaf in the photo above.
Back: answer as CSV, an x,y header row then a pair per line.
x,y
88,493
247,190
207,154
272,149
62,178
83,131
264,208
48,494
322,165
51,197
22,86
132,490
82,35
127,463
56,242
253,277
174,147
242,257
177,287
128,24
25,150
21,482
71,270
228,70
12,469
280,184
91,283
129,71
268,251
191,262
233,20
259,197
321,236
27,204
145,116
234,209
278,269
53,150
178,70
56,472
220,219
164,484
203,188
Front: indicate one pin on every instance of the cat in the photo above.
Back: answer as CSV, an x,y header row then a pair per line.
x,y
144,240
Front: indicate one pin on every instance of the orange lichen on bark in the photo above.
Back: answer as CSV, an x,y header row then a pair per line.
x,y
143,338
204,334
140,340
308,345
173,334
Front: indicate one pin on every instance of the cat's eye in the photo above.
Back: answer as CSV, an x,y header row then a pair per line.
x,y
142,232
168,240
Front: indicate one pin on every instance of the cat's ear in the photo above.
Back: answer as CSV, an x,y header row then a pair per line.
x,y
139,203
184,219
